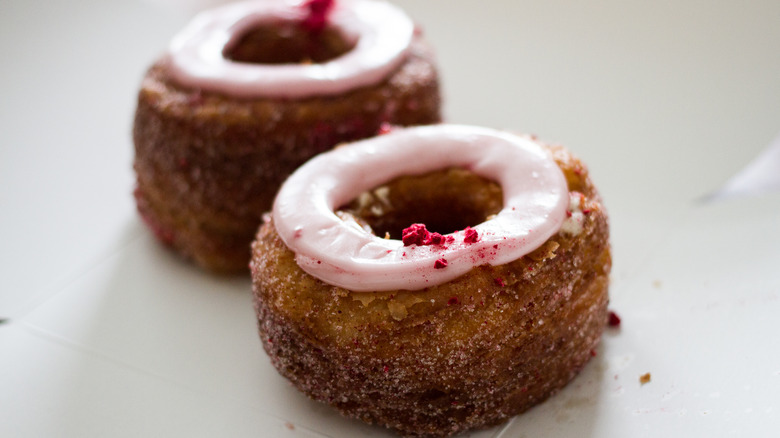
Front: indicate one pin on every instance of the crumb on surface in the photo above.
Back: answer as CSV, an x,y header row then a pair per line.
x,y
613,320
644,378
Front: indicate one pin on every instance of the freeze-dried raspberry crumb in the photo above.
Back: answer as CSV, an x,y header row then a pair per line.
x,y
317,18
613,320
452,301
500,282
471,235
435,239
440,264
416,234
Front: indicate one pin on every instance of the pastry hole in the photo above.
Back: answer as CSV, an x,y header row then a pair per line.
x,y
445,201
287,43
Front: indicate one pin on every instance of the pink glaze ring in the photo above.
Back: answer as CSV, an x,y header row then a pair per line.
x,y
381,32
341,253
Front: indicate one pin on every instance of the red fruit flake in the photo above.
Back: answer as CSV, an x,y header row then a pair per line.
x,y
613,320
440,264
471,235
416,234
500,282
452,301
317,18
435,239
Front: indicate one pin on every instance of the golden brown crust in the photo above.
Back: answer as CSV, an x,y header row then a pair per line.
x,y
208,165
466,354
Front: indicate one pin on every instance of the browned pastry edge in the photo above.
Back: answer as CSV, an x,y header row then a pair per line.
x,y
463,355
208,166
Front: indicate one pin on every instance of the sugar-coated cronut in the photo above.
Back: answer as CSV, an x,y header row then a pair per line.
x,y
462,354
221,123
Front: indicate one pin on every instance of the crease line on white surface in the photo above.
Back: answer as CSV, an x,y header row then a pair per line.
x,y
501,433
64,342
54,287
760,176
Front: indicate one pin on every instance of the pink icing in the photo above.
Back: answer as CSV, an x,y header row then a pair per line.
x,y
341,253
381,32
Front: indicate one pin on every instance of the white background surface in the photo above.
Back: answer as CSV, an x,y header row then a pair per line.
x,y
107,334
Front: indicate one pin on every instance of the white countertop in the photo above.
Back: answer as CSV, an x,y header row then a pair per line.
x,y
108,334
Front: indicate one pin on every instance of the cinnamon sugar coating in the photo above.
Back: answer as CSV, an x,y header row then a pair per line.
x,y
463,355
209,165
